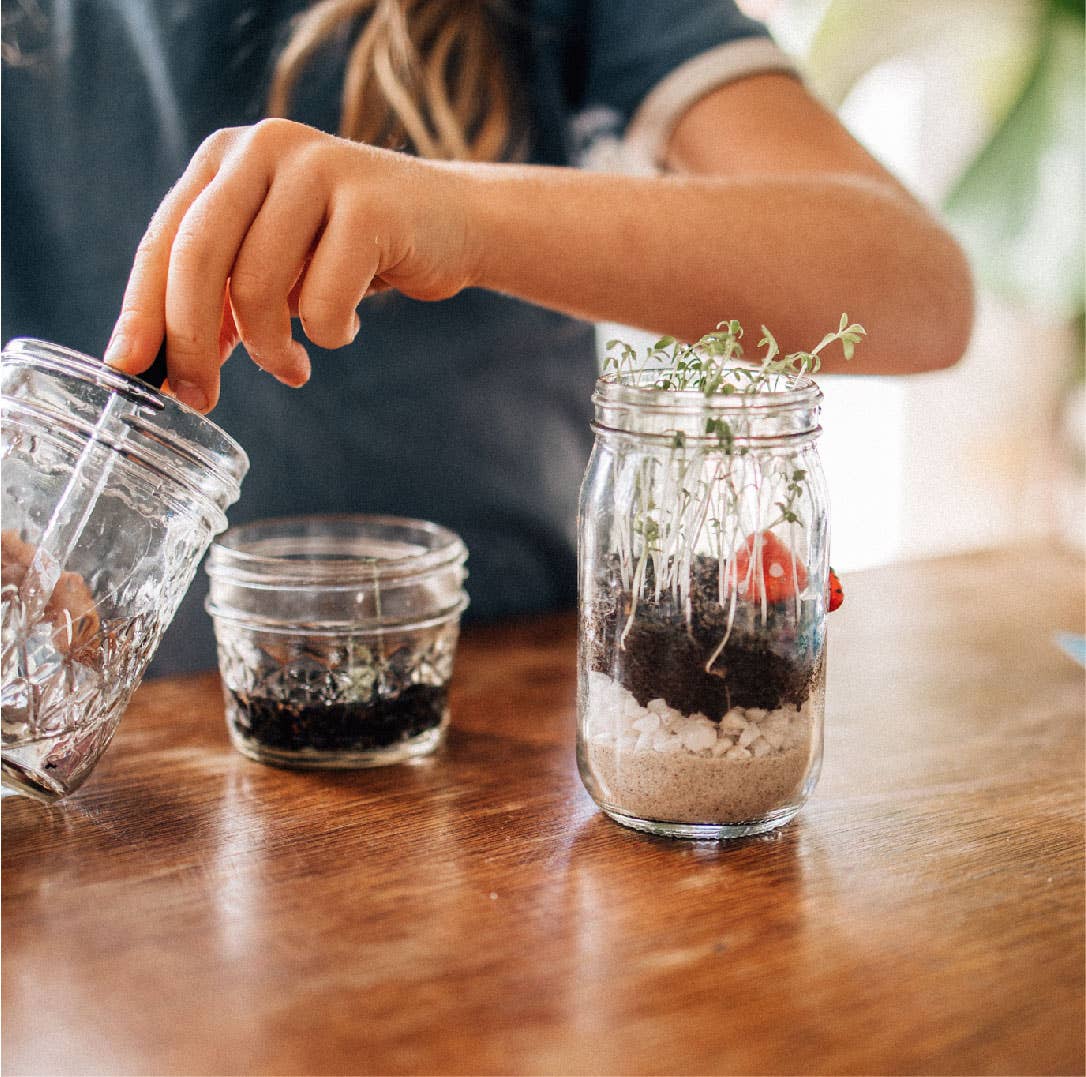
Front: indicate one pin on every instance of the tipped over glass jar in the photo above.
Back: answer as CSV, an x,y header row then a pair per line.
x,y
704,578
111,493
336,637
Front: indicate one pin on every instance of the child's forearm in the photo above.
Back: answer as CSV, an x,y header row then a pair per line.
x,y
677,254
278,220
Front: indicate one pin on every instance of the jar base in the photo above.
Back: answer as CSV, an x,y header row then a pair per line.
x,y
313,759
20,781
706,831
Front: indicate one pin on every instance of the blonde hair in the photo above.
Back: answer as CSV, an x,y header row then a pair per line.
x,y
425,75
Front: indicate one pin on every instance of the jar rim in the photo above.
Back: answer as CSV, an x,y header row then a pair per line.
x,y
187,432
784,414
612,388
328,551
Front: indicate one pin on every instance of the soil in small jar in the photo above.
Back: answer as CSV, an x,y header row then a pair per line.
x,y
341,727
663,656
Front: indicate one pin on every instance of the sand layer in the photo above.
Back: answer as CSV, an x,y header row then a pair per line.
x,y
658,764
682,787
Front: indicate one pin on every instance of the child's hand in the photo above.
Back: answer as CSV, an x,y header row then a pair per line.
x,y
275,220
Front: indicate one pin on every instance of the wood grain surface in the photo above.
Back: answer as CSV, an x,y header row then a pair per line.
x,y
190,911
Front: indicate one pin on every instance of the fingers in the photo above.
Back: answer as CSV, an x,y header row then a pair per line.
x,y
245,239
204,248
178,284
141,324
229,337
266,270
339,275
265,220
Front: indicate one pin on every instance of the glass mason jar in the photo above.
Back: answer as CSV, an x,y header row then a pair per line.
x,y
336,637
703,595
111,493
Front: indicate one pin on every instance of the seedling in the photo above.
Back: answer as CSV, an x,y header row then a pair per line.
x,y
708,494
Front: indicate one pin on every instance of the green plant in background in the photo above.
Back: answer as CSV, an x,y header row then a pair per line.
x,y
1017,204
1002,206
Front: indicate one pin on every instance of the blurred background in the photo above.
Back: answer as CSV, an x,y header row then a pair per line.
x,y
979,107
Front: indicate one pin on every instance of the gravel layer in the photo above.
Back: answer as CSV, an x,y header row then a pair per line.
x,y
654,762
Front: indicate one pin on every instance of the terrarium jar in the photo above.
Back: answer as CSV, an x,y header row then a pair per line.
x,y
336,637
111,493
703,597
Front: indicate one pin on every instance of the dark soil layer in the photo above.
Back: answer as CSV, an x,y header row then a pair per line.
x,y
663,657
341,727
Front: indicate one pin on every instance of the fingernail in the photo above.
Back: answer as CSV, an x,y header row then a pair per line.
x,y
115,350
190,393
357,324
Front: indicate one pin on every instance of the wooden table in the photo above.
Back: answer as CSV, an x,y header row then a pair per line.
x,y
190,911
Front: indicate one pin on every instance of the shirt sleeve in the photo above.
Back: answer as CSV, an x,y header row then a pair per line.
x,y
648,61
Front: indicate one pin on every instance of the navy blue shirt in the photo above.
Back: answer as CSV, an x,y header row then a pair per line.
x,y
473,412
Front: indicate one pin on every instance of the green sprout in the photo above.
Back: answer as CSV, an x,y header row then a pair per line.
x,y
716,363
708,493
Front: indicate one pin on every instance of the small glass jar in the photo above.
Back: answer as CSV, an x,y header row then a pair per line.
x,y
703,595
336,637
111,493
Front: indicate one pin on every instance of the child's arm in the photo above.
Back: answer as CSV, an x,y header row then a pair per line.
x,y
771,213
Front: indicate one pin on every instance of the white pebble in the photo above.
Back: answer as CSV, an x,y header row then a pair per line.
x,y
600,687
647,723
615,717
698,737
733,721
